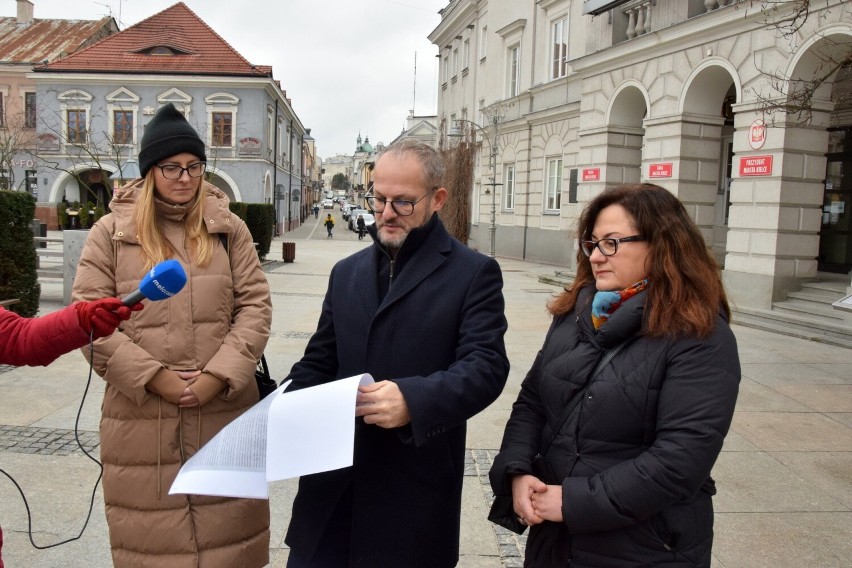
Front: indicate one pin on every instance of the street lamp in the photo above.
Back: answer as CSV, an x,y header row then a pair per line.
x,y
457,132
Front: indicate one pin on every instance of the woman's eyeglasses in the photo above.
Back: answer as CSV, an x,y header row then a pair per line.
x,y
608,247
173,171
401,207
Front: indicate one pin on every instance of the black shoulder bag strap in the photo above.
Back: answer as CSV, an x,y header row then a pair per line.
x,y
262,366
575,402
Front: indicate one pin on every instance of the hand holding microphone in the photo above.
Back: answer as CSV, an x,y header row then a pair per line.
x,y
103,316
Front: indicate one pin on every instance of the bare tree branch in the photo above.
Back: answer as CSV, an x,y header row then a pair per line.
x,y
793,99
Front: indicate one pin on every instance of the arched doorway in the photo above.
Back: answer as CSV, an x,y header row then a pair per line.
x,y
707,149
625,120
224,182
817,110
84,193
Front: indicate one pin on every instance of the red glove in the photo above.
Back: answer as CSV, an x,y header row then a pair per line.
x,y
103,316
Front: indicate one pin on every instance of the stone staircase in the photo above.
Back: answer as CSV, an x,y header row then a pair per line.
x,y
807,313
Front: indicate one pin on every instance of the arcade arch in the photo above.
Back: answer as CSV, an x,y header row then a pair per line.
x,y
831,113
628,109
707,148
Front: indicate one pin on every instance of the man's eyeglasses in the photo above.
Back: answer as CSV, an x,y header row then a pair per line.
x,y
401,207
608,247
173,171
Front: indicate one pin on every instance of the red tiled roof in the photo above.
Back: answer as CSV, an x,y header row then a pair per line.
x,y
48,39
198,50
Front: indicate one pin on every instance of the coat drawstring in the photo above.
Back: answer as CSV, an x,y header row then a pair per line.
x,y
180,437
159,445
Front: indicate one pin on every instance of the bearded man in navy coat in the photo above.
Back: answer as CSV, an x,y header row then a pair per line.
x,y
423,314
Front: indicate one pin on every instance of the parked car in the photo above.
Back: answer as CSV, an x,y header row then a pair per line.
x,y
353,218
328,204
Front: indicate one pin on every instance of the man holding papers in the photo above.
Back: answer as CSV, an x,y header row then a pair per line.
x,y
423,314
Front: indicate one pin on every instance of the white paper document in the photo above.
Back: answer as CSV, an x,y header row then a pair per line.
x,y
285,435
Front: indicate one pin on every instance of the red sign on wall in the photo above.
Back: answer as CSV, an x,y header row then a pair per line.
x,y
591,174
757,134
756,166
663,170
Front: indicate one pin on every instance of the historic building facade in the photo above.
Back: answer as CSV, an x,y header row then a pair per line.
x,y
94,105
580,96
26,41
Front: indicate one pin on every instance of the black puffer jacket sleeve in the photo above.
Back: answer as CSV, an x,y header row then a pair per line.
x,y
522,436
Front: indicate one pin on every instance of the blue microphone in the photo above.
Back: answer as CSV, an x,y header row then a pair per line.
x,y
161,282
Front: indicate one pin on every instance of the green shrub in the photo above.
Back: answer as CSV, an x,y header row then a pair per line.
x,y
18,276
85,215
62,215
260,219
99,212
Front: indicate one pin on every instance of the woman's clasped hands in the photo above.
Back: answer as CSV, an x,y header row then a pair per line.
x,y
534,501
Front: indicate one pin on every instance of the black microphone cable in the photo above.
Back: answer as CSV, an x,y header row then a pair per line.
x,y
88,455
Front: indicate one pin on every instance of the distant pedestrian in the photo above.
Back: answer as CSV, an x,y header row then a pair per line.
x,y
316,211
362,227
329,225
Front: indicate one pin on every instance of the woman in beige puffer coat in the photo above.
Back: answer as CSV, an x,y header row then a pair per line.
x,y
180,370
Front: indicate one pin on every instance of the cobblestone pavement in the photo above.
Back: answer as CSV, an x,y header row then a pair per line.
x,y
47,441
512,546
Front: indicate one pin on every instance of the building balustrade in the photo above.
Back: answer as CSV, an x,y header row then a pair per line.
x,y
638,18
713,4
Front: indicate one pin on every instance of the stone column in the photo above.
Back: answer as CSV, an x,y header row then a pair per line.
x,y
72,246
616,150
775,219
692,144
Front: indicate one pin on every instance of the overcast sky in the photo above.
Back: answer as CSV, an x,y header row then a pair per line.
x,y
347,65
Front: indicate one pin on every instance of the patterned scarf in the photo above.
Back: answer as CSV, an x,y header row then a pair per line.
x,y
605,303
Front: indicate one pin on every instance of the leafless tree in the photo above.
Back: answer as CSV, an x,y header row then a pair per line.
x,y
792,99
15,141
104,151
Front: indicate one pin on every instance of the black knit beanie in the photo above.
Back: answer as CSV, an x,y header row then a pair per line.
x,y
168,134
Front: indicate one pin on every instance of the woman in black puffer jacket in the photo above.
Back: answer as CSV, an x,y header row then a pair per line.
x,y
625,449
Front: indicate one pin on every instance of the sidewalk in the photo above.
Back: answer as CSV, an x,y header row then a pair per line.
x,y
784,476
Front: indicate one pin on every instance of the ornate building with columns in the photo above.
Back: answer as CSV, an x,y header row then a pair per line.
x,y
587,95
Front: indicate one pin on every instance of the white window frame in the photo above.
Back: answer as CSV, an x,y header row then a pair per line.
x,y
270,131
181,100
446,72
559,48
483,43
509,187
75,100
466,53
513,70
455,62
123,100
132,140
553,190
282,137
24,109
225,103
